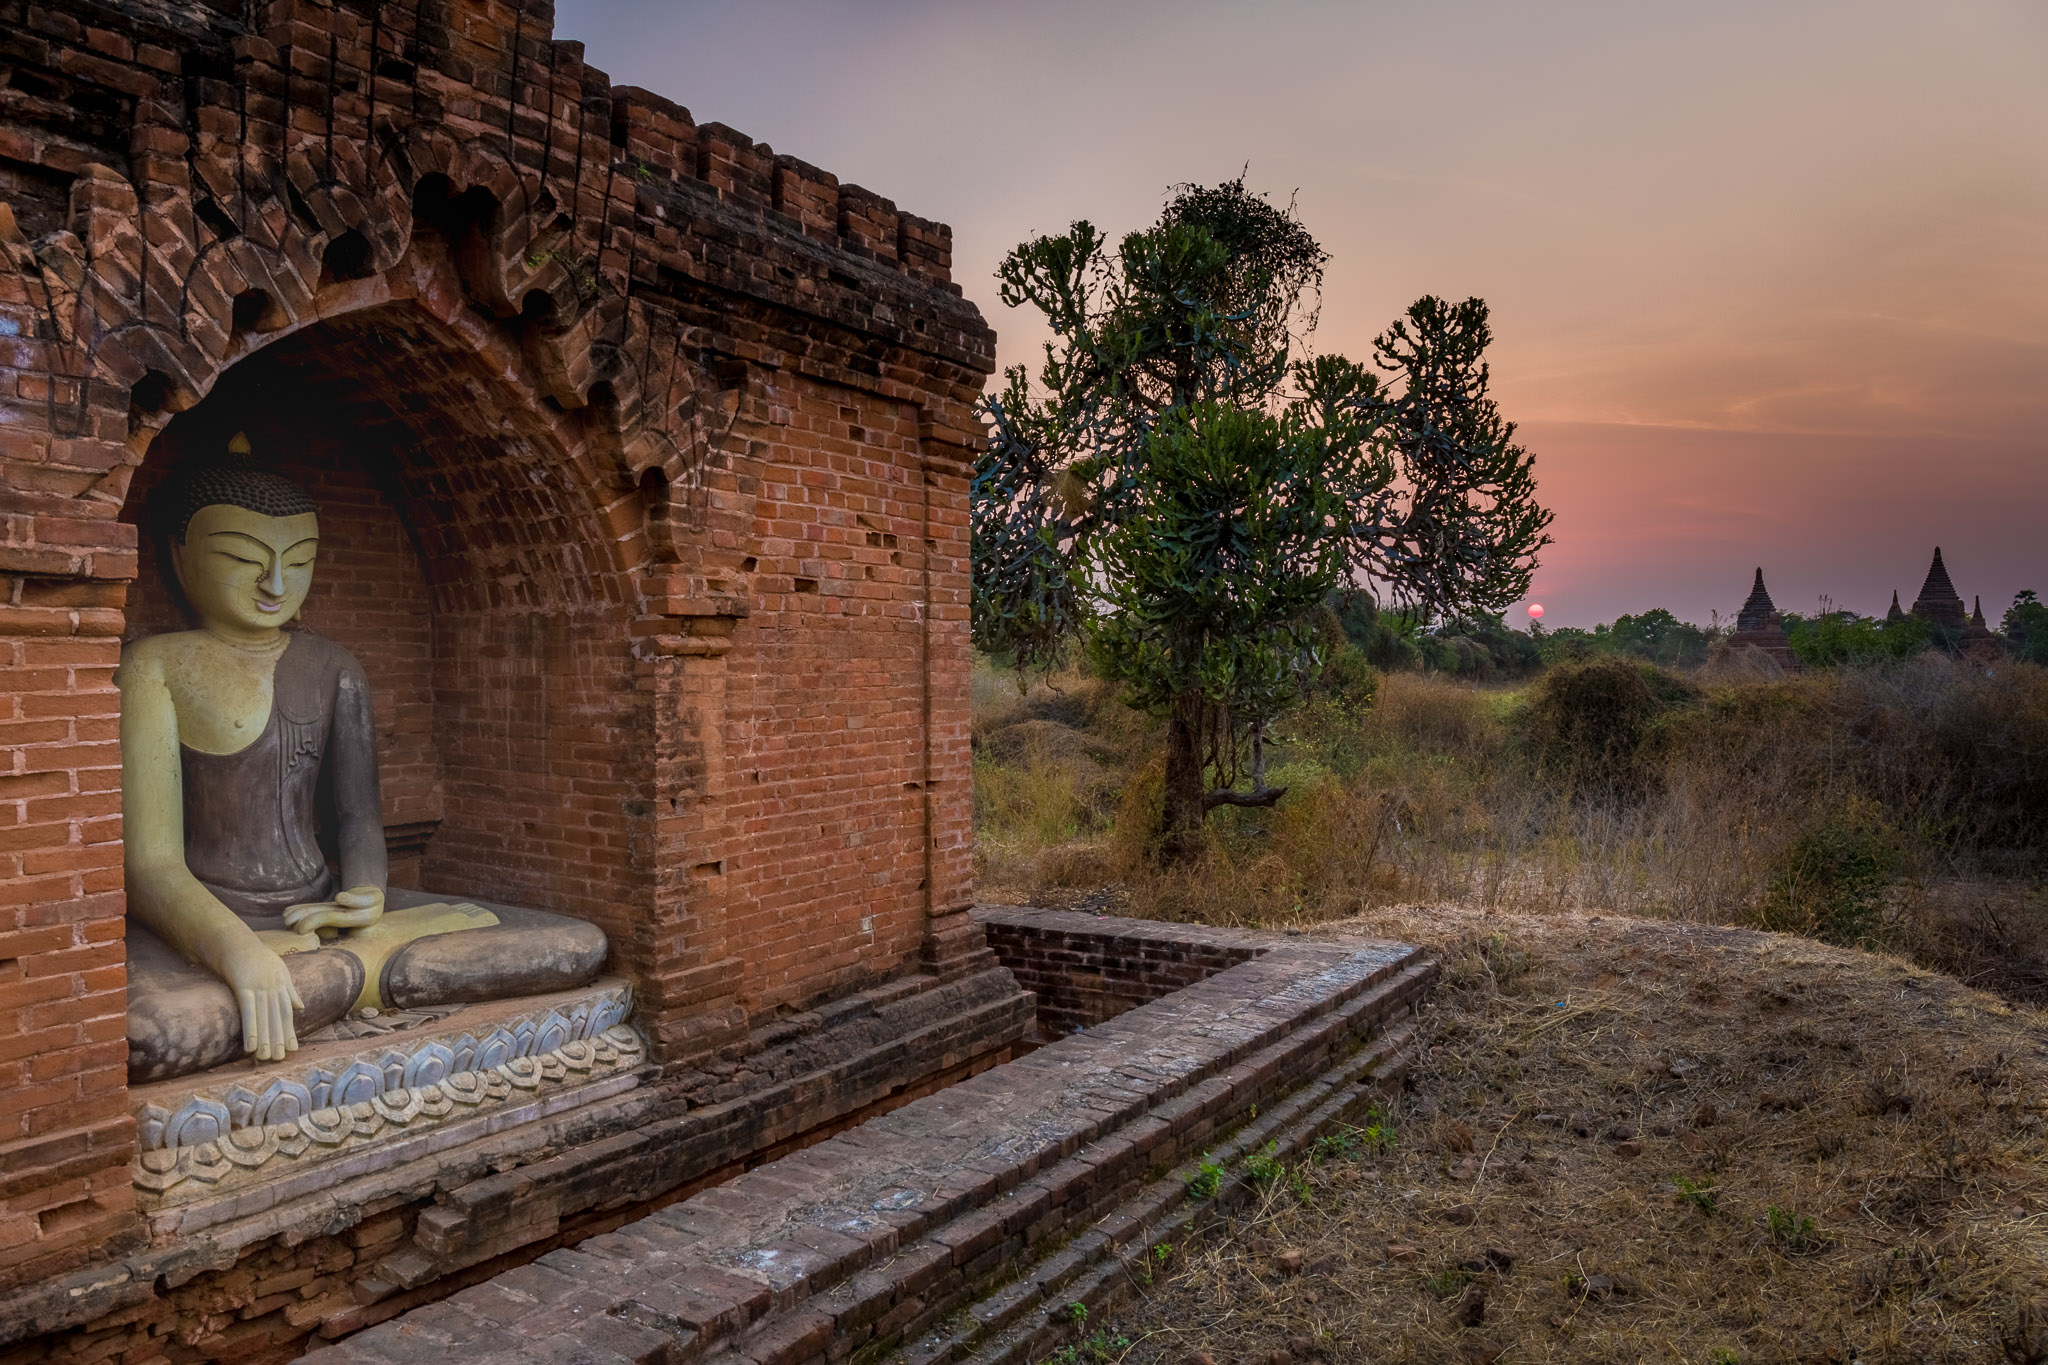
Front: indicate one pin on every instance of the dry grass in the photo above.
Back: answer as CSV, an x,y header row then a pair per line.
x,y
1581,1075
1612,1105
1900,807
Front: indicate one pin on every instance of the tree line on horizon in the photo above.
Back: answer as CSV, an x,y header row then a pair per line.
x,y
1483,647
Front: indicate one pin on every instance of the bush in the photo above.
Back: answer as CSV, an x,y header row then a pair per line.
x,y
1833,879
1591,727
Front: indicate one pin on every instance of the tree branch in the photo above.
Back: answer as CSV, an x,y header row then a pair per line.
x,y
1264,796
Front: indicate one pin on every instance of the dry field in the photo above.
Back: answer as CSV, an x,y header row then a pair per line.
x,y
1642,1129
1638,1141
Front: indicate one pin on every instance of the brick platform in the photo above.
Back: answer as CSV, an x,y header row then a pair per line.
x,y
964,1224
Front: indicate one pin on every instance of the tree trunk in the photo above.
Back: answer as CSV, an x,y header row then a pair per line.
x,y
1187,806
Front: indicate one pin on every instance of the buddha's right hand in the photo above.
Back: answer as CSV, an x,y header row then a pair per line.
x,y
264,990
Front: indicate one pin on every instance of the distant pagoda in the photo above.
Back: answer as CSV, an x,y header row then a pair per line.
x,y
1938,603
1979,644
1897,613
1759,627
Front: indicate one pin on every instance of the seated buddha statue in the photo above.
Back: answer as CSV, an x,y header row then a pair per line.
x,y
258,894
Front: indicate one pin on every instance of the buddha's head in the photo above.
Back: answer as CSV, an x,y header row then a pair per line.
x,y
240,542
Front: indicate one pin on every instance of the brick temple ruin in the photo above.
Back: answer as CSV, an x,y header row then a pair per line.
x,y
642,455
1759,635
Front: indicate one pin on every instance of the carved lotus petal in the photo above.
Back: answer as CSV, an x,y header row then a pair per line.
x,y
579,1019
397,1106
495,1051
328,1127
433,1062
241,1102
522,1072
150,1126
464,1049
320,1084
577,1055
357,1084
291,1141
248,1147
434,1102
552,1033
466,1088
204,1163
282,1101
198,1120
392,1064
607,1013
523,1034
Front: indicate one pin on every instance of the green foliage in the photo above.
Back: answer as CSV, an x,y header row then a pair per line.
x,y
1838,638
1386,640
1796,1233
1265,1166
1592,726
1834,877
1480,647
1207,584
1179,488
1701,1195
1449,1282
1658,637
2026,627
1099,1348
1207,1179
1655,636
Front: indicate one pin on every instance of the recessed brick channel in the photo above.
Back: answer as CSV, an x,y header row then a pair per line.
x,y
963,1224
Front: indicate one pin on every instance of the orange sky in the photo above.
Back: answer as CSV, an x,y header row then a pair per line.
x,y
1769,281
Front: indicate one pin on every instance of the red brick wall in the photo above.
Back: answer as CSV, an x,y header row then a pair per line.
x,y
826,707
527,294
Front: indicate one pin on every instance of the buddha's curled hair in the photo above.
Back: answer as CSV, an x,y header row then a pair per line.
x,y
234,481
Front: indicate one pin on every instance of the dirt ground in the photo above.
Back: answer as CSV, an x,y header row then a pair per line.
x,y
1633,1140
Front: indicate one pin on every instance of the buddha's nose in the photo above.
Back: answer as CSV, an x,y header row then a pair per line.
x,y
273,581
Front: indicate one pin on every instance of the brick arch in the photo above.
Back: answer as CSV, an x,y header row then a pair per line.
x,y
470,566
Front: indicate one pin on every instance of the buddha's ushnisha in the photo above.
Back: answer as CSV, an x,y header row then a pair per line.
x,y
237,736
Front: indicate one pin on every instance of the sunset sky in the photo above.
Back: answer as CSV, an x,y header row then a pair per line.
x,y
1769,281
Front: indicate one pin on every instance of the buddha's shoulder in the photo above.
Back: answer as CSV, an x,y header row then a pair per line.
x,y
320,654
152,655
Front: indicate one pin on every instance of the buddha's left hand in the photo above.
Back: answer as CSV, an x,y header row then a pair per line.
x,y
350,909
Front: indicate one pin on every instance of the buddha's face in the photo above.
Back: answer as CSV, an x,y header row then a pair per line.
x,y
245,573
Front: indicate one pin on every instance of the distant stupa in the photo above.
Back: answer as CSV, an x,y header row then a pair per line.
x,y
1897,613
1938,603
1759,627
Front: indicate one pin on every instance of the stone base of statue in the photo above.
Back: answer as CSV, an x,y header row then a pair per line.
x,y
426,951
368,1099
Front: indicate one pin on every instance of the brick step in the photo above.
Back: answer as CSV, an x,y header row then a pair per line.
x,y
1164,1212
1063,1162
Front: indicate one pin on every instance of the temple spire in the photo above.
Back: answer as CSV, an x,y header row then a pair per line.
x,y
1758,628
1938,603
1758,611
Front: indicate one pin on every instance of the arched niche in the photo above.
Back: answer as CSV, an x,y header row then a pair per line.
x,y
473,574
